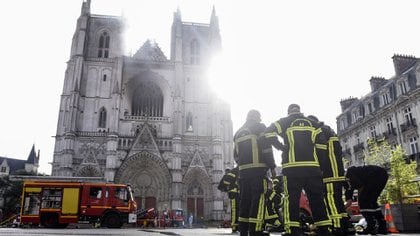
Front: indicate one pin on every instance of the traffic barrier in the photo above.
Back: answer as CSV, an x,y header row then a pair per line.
x,y
390,220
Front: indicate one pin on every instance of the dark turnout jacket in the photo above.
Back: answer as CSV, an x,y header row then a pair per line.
x,y
367,177
300,136
253,155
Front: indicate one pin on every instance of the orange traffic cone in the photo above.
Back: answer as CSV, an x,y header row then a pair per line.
x,y
389,219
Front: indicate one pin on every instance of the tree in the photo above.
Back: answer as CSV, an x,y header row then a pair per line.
x,y
400,172
12,192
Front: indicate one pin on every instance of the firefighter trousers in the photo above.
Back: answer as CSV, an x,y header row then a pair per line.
x,y
335,203
252,205
234,211
313,187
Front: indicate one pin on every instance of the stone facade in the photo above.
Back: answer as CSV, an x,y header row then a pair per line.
x,y
390,111
144,119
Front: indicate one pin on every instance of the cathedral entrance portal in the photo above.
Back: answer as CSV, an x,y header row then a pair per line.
x,y
197,189
149,177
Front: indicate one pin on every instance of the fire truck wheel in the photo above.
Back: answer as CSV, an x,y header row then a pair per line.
x,y
49,220
112,220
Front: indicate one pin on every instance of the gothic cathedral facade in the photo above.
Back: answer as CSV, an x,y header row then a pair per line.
x,y
145,119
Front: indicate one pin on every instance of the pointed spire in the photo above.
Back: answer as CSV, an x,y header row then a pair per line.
x,y
214,20
177,14
85,8
32,156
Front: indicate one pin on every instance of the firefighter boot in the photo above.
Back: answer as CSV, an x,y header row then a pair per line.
x,y
382,229
323,231
371,224
337,232
347,226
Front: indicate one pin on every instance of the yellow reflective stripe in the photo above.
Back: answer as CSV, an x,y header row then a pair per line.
x,y
330,200
331,156
286,206
233,212
255,154
270,135
321,146
289,135
226,182
246,137
334,179
314,134
278,127
231,174
243,219
334,138
323,223
301,163
252,165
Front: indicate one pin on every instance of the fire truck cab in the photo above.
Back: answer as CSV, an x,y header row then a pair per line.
x,y
55,204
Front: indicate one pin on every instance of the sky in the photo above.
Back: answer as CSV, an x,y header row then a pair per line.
x,y
313,53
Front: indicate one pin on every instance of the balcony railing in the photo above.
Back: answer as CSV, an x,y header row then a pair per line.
x,y
408,125
148,118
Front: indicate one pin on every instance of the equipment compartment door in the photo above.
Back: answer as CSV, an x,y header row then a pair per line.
x,y
70,201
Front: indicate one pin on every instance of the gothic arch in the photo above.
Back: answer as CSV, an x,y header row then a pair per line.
x,y
89,171
148,175
197,184
131,84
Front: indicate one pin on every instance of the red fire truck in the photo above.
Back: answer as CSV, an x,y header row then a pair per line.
x,y
55,204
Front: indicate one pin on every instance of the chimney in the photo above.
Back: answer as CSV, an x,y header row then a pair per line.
x,y
403,62
376,82
346,103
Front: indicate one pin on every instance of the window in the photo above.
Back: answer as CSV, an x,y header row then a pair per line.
x,y
343,124
102,118
403,87
147,100
103,49
104,78
373,132
389,125
195,52
3,169
189,122
370,107
121,193
413,145
385,98
408,116
95,192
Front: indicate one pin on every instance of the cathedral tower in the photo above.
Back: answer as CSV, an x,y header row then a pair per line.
x,y
145,119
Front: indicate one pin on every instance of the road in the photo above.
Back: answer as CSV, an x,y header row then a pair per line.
x,y
125,231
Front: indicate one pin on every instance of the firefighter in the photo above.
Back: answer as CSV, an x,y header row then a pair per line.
x,y
229,184
301,169
369,180
254,158
331,163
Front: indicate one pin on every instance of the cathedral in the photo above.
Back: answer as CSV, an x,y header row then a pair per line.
x,y
145,119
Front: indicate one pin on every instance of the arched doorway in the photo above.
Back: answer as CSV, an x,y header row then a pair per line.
x,y
197,192
149,177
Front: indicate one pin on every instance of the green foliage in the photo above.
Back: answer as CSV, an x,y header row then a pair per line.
x,y
378,154
400,173
12,192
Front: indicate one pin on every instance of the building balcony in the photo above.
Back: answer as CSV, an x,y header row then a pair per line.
x,y
408,125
